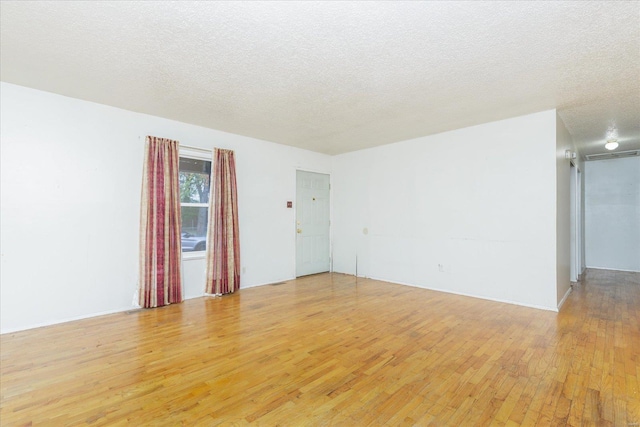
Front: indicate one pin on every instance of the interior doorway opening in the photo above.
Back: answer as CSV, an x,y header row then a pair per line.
x,y
575,212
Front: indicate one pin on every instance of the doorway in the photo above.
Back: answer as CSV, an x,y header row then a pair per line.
x,y
575,213
312,223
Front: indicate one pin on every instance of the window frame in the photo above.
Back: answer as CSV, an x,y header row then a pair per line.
x,y
196,154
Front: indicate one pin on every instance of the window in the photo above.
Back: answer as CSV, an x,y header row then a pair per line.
x,y
194,177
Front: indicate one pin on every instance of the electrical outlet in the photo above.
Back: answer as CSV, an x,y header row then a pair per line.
x,y
441,268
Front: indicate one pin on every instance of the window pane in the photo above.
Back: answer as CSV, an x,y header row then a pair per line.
x,y
194,180
194,228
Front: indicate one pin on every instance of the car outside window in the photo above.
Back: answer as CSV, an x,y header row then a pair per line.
x,y
194,178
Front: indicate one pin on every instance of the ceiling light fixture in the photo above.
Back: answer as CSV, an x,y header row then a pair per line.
x,y
612,137
611,144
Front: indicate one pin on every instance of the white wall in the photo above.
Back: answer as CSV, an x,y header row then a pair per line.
x,y
70,198
612,214
479,201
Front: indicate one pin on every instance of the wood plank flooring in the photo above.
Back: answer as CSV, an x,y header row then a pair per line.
x,y
324,351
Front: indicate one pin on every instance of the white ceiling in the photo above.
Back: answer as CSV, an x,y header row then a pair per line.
x,y
337,76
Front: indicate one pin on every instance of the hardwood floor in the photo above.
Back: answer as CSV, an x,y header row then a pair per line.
x,y
324,351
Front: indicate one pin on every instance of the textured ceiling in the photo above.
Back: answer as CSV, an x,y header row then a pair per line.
x,y
337,76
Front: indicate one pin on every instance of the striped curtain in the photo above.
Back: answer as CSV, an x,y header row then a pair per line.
x,y
223,237
160,246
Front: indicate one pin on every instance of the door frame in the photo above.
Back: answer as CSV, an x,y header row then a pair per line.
x,y
295,219
575,222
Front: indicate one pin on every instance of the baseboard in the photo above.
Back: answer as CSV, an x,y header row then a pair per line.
x,y
66,320
612,269
134,306
564,298
266,283
446,291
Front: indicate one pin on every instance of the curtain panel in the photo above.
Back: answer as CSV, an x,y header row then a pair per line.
x,y
160,246
223,237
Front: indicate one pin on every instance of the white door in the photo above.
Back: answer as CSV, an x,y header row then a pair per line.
x,y
312,223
